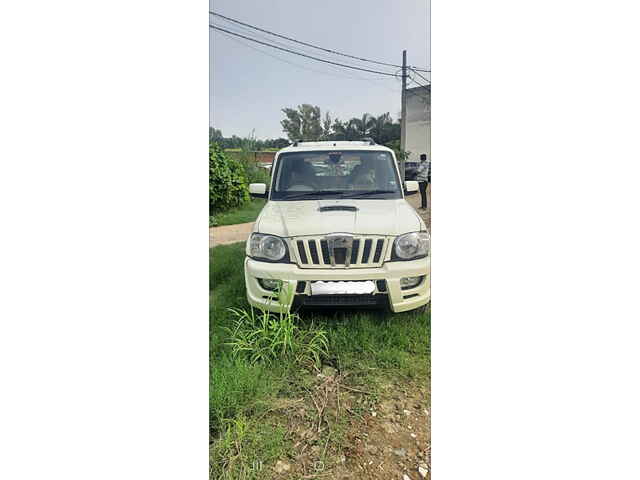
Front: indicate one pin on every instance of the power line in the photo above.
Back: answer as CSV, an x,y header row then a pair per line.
x,y
238,29
275,41
419,84
416,82
373,81
301,54
309,44
423,77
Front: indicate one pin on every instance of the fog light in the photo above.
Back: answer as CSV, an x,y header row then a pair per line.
x,y
270,284
410,282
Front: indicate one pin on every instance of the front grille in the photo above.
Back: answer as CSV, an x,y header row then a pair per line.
x,y
377,301
366,252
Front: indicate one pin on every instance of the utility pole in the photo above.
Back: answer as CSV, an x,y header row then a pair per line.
x,y
403,119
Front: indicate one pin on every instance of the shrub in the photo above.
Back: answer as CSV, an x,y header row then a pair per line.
x,y
228,187
252,169
255,173
262,336
400,154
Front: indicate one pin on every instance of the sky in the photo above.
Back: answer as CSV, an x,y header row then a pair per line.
x,y
250,84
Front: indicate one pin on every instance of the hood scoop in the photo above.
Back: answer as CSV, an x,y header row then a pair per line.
x,y
338,208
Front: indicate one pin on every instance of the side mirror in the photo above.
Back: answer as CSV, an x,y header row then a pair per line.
x,y
258,190
411,187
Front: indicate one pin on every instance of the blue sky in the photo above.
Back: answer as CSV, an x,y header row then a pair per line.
x,y
251,83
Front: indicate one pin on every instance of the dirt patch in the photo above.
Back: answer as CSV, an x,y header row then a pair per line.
x,y
393,440
229,234
342,432
415,201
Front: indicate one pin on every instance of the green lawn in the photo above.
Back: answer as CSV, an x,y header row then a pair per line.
x,y
246,213
371,347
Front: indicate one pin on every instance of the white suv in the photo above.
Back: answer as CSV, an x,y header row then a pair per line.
x,y
337,232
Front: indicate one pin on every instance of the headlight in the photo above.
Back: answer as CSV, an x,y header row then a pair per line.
x,y
411,246
268,247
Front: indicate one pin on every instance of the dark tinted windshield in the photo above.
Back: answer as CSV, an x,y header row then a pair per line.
x,y
335,174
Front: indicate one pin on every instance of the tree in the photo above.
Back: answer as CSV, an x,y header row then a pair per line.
x,y
361,126
276,143
280,143
339,130
400,154
215,135
382,129
249,143
303,123
326,127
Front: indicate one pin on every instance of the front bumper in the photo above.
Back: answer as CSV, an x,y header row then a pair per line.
x,y
295,283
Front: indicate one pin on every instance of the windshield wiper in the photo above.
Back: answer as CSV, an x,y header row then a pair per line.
x,y
362,194
313,194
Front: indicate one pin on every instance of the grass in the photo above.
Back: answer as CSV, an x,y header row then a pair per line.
x,y
264,337
244,450
246,213
237,388
374,348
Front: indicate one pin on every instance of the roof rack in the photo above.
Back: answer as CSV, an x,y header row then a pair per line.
x,y
299,143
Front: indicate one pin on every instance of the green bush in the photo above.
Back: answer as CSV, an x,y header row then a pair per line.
x,y
256,174
252,169
400,154
228,186
261,336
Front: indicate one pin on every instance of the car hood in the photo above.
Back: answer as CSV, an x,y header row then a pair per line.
x,y
360,217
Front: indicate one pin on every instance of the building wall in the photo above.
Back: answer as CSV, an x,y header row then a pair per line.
x,y
418,122
265,157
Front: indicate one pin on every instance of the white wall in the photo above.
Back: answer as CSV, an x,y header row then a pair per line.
x,y
418,122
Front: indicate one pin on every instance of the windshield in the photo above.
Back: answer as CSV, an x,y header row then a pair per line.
x,y
335,174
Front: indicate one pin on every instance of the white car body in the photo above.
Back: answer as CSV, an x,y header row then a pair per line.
x,y
368,226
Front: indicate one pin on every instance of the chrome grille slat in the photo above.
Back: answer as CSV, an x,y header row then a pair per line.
x,y
315,252
361,251
306,249
319,250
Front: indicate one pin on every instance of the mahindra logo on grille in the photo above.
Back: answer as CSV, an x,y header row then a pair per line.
x,y
340,240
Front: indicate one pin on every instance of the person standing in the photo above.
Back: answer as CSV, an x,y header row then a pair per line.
x,y
424,177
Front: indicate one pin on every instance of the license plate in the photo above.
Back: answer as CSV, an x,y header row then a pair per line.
x,y
343,288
